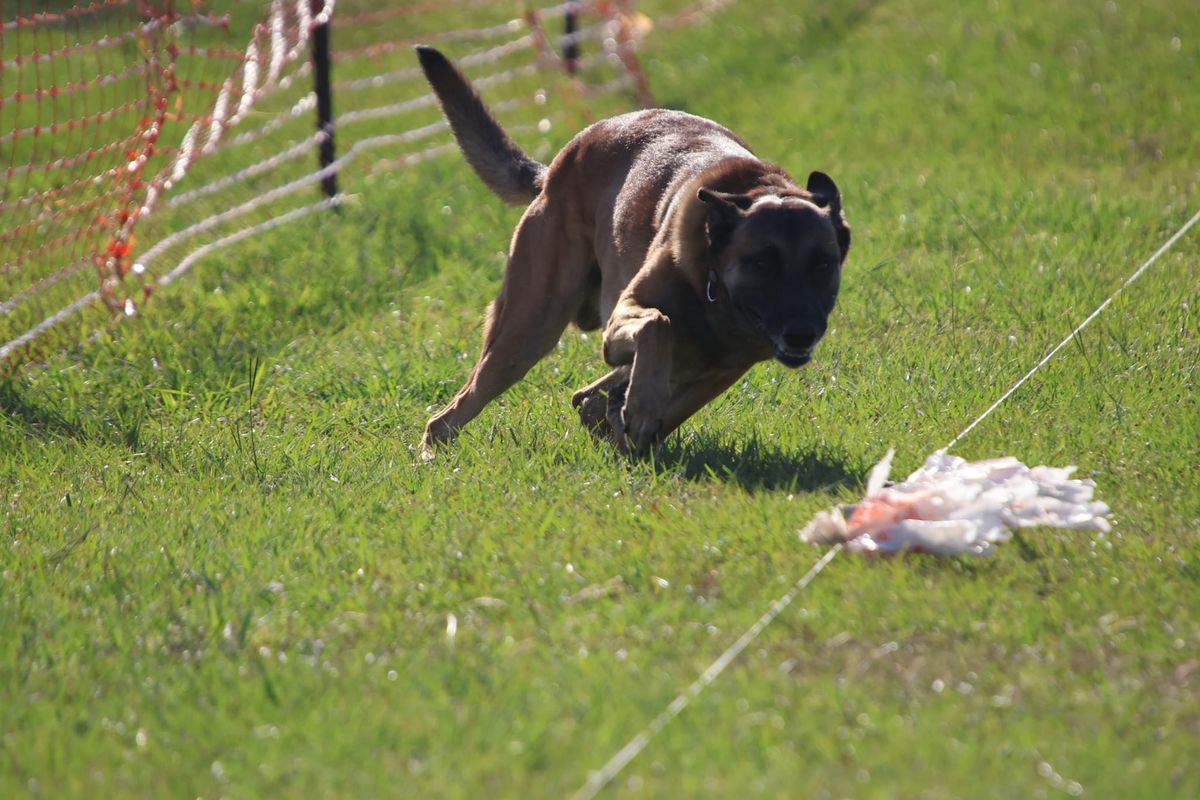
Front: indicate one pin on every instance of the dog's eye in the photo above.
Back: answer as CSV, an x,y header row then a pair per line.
x,y
764,263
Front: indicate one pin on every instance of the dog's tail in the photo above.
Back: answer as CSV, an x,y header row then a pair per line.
x,y
497,159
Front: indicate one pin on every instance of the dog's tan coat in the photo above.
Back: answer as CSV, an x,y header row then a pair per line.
x,y
619,233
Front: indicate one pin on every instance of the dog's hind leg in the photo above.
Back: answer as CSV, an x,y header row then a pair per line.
x,y
545,283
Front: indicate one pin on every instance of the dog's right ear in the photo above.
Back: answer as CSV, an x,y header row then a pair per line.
x,y
825,194
725,212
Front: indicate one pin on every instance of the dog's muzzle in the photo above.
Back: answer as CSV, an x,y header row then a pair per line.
x,y
793,358
794,347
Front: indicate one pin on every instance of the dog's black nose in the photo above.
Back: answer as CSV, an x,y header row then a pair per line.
x,y
800,340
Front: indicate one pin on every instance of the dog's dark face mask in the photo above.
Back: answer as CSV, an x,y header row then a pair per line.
x,y
779,262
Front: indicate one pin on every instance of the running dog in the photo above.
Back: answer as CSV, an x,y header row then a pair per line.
x,y
698,259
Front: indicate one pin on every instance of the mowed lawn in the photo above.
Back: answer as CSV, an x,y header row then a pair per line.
x,y
224,571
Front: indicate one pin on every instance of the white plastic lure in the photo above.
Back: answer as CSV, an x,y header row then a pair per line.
x,y
951,506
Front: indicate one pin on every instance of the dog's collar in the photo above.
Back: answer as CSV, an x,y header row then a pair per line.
x,y
710,291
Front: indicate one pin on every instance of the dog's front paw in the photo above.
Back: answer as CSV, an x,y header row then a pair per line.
x,y
641,421
641,435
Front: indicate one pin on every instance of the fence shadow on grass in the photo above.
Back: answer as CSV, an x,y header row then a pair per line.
x,y
756,466
35,420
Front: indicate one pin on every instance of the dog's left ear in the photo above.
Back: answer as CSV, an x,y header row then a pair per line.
x,y
825,194
725,211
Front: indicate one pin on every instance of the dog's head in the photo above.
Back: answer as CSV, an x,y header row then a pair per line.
x,y
779,258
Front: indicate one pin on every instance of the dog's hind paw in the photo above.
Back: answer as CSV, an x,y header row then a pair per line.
x,y
615,408
593,412
600,412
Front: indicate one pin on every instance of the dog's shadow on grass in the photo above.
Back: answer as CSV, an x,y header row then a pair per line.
x,y
756,466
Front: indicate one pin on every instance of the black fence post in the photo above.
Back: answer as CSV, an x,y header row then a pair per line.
x,y
571,50
324,91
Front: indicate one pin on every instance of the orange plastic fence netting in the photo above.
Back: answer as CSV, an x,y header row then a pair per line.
x,y
102,105
131,130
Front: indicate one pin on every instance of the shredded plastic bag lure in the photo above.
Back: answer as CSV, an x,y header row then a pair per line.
x,y
952,507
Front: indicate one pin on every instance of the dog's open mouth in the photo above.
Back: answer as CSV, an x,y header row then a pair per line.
x,y
784,355
793,358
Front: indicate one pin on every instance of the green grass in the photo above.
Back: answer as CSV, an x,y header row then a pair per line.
x,y
224,571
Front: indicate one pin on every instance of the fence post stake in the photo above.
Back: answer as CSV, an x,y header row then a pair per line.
x,y
324,92
571,51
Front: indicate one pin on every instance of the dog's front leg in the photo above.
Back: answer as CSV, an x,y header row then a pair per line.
x,y
689,398
642,338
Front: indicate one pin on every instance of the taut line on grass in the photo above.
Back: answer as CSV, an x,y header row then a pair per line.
x,y
1167,245
602,777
